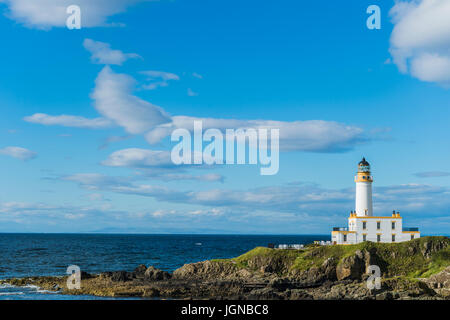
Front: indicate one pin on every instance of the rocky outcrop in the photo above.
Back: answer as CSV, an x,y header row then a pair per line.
x,y
430,247
327,272
352,267
355,266
154,274
440,282
140,273
208,270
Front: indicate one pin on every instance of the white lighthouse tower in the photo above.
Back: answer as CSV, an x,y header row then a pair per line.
x,y
363,225
363,179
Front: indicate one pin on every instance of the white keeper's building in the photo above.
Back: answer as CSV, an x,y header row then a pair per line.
x,y
363,225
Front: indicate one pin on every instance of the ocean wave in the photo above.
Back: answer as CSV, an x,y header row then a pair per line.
x,y
46,291
31,286
11,293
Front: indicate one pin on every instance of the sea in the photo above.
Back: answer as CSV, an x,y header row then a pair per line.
x,y
23,255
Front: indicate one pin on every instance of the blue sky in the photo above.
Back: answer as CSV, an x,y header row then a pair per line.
x,y
74,142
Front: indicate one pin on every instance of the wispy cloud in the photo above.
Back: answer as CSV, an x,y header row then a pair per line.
x,y
432,174
139,158
69,121
103,54
155,164
158,79
18,153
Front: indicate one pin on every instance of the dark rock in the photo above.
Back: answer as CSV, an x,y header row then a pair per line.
x,y
139,272
206,270
155,274
314,276
265,293
384,296
119,276
299,294
352,267
329,268
440,282
280,284
430,247
85,275
140,269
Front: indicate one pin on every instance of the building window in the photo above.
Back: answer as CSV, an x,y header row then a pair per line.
x,y
378,237
364,225
412,236
393,225
364,237
378,225
345,238
393,238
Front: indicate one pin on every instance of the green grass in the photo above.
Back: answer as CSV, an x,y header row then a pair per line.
x,y
400,259
266,254
439,262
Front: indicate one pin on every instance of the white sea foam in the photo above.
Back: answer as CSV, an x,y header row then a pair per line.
x,y
11,293
46,291
31,286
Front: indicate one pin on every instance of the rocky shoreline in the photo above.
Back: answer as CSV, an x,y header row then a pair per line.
x,y
418,269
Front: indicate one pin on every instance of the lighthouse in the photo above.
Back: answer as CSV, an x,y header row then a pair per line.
x,y
363,225
363,179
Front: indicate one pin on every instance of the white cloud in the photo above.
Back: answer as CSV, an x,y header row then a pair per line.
x,y
96,181
432,174
158,79
68,121
155,164
114,100
139,158
45,14
103,54
420,40
312,135
209,177
18,153
160,74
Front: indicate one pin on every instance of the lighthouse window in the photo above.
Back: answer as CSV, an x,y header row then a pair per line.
x,y
345,238
364,225
378,237
393,225
393,238
364,237
378,225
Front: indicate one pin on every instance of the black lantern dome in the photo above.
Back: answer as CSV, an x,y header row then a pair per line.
x,y
363,166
